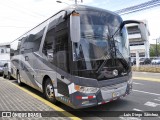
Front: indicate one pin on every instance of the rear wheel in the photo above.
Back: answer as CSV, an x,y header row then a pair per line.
x,y
49,91
9,75
19,79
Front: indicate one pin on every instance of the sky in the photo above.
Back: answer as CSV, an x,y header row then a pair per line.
x,y
19,16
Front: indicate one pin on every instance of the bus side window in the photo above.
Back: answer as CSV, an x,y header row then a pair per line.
x,y
48,47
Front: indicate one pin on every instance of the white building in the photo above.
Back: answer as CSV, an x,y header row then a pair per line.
x,y
5,51
136,42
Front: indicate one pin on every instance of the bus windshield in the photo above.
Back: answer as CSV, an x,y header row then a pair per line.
x,y
95,44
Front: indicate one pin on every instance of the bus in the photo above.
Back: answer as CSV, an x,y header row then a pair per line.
x,y
79,56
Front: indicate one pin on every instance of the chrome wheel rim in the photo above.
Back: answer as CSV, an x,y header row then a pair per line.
x,y
49,91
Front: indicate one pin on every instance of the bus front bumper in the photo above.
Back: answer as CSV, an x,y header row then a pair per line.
x,y
103,96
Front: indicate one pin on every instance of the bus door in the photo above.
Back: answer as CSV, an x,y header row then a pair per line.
x,y
62,54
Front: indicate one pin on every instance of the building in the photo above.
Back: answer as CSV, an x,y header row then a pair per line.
x,y
137,45
5,51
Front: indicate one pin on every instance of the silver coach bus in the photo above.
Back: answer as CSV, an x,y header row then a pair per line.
x,y
79,56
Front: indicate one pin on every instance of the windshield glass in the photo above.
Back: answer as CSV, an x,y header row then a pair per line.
x,y
95,44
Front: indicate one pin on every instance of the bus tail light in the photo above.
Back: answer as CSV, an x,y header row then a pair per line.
x,y
87,97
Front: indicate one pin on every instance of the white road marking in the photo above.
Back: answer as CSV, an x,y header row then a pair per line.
x,y
151,104
146,92
156,99
135,109
137,83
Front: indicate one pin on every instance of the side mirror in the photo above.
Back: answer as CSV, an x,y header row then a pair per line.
x,y
75,27
141,27
143,31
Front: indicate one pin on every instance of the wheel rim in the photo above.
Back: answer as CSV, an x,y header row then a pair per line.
x,y
49,91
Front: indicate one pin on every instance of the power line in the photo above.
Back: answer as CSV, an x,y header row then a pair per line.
x,y
140,7
14,27
27,9
18,19
148,7
21,11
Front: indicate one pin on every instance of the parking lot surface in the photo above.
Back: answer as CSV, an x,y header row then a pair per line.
x,y
14,99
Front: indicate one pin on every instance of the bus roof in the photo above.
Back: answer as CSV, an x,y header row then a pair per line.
x,y
72,8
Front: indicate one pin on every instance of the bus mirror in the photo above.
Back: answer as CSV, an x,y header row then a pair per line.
x,y
143,31
75,27
141,27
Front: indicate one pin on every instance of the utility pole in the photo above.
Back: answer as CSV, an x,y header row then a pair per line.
x,y
58,1
157,45
156,48
75,2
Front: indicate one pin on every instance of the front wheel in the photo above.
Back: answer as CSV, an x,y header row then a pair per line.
x,y
49,91
19,79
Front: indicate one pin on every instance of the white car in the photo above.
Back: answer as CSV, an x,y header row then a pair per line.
x,y
2,62
7,71
155,61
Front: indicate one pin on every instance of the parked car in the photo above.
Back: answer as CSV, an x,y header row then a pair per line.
x,y
155,61
2,62
1,69
133,61
7,71
144,61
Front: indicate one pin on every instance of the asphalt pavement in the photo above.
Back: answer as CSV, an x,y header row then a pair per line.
x,y
147,75
145,99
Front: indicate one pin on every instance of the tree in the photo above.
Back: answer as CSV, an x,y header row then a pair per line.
x,y
154,51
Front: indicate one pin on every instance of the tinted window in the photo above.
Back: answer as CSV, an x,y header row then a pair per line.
x,y
34,37
56,43
15,48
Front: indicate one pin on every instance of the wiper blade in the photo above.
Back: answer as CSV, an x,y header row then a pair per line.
x,y
108,56
104,62
122,57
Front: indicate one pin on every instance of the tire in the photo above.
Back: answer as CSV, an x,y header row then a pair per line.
x,y
9,76
4,76
49,91
19,79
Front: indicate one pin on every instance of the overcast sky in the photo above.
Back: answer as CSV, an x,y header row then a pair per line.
x,y
19,16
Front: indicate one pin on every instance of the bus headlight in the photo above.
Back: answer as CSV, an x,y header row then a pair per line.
x,y
84,89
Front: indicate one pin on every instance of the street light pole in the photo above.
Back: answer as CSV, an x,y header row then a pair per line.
x,y
75,2
58,1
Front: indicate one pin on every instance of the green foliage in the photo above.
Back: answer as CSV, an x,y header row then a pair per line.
x,y
153,51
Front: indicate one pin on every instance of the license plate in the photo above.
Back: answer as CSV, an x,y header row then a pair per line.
x,y
115,94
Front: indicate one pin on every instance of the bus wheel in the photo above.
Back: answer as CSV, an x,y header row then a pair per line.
x,y
49,91
9,75
4,76
19,79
